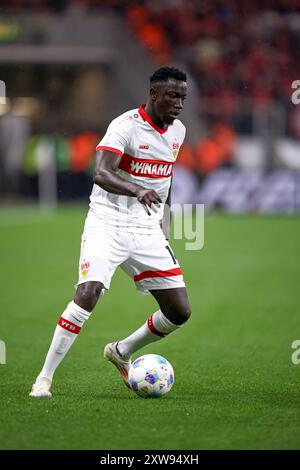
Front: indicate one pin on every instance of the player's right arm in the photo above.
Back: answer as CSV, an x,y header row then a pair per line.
x,y
106,177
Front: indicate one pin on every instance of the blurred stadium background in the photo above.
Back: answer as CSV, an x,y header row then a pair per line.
x,y
69,67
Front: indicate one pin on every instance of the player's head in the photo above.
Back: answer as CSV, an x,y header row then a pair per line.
x,y
168,89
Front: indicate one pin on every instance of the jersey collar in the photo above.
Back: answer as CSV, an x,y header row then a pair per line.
x,y
147,118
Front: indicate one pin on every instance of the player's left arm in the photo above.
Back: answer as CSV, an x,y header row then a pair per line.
x,y
166,220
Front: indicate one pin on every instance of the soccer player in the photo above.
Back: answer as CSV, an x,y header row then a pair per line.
x,y
132,181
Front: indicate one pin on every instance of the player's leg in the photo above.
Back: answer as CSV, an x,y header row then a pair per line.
x,y
101,251
67,330
174,311
155,270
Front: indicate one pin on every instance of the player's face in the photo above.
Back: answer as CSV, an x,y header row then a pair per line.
x,y
169,101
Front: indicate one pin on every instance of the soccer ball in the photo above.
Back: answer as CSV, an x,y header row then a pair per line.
x,y
151,376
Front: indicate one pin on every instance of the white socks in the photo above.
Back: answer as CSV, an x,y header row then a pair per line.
x,y
68,327
156,327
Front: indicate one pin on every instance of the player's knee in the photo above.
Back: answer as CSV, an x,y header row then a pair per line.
x,y
184,314
178,314
87,295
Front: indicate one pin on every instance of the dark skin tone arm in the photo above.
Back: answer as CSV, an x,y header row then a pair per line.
x,y
106,177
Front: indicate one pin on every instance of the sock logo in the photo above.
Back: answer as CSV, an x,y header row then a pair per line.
x,y
69,326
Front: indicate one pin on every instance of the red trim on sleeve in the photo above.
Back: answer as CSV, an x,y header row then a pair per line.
x,y
68,325
109,149
153,329
148,274
147,118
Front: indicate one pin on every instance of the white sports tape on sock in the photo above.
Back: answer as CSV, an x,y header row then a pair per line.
x,y
162,324
78,313
62,344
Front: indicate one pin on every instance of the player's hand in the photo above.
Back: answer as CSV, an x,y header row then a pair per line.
x,y
147,197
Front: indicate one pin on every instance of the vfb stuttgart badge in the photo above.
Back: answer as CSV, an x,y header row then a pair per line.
x,y
85,268
175,149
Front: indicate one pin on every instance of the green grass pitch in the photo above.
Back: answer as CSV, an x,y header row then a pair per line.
x,y
235,385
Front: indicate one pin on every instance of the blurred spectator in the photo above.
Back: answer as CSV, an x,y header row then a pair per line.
x,y
186,157
150,33
82,149
215,151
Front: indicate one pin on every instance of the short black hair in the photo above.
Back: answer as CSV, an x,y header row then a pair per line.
x,y
164,73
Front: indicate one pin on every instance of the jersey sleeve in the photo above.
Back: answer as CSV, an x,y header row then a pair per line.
x,y
116,138
183,134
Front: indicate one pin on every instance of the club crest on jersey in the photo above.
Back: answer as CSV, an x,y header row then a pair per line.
x,y
175,150
85,266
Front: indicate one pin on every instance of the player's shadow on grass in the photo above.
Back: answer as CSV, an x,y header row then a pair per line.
x,y
112,394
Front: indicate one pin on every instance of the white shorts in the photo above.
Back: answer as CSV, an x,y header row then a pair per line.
x,y
147,259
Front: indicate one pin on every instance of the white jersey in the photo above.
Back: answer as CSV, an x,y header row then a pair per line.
x,y
148,154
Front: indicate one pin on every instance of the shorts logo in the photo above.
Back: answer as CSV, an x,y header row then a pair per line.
x,y
85,268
